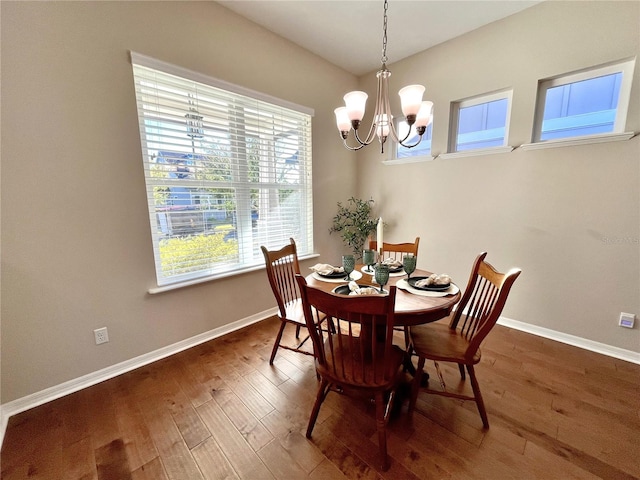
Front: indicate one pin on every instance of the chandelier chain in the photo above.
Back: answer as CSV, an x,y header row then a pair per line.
x,y
384,34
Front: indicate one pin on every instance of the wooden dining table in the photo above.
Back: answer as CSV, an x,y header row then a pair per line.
x,y
411,309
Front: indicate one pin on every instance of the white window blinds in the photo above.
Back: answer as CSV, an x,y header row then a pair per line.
x,y
227,170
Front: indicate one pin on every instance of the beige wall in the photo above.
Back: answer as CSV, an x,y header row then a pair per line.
x,y
76,245
549,212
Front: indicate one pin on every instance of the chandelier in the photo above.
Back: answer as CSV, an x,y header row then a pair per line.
x,y
416,111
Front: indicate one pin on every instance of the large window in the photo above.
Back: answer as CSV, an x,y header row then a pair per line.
x,y
586,103
480,122
227,170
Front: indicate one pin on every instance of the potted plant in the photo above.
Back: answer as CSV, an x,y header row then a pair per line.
x,y
354,223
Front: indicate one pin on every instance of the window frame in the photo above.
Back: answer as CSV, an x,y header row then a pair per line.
x,y
626,67
246,258
454,123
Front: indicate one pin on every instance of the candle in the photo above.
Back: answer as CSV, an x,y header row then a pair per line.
x,y
379,235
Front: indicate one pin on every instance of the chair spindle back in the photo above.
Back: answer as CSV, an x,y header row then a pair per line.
x,y
396,250
282,267
482,302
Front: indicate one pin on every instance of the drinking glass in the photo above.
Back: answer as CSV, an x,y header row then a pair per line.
x,y
382,275
348,264
369,258
409,264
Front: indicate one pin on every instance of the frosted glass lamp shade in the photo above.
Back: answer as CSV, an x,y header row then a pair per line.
x,y
355,103
411,99
342,119
424,114
382,125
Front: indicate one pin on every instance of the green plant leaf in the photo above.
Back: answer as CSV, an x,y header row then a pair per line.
x,y
355,223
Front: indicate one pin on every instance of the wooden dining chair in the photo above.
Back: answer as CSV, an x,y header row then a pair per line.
x,y
358,356
459,341
282,267
396,250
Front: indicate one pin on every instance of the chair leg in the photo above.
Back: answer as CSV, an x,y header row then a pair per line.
x,y
297,331
333,325
323,389
382,430
478,396
461,368
408,353
407,339
415,386
276,344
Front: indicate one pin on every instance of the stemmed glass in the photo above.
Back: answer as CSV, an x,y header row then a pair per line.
x,y
348,264
409,264
369,258
382,275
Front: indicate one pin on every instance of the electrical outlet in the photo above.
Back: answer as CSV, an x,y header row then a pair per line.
x,y
626,320
101,334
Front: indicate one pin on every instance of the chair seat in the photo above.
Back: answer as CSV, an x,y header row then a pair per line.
x,y
436,341
295,313
361,370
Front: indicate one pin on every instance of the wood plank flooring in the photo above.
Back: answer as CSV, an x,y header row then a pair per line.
x,y
219,411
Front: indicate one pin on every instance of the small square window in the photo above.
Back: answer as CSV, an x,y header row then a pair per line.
x,y
585,103
480,122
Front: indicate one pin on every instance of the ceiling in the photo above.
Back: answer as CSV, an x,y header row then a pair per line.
x,y
348,33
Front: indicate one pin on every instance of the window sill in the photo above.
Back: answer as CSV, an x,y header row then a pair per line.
x,y
211,278
477,152
569,142
405,160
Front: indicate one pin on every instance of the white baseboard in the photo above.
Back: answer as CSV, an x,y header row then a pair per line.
x,y
621,353
35,399
30,401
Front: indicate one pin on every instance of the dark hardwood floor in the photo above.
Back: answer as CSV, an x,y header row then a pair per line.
x,y
219,411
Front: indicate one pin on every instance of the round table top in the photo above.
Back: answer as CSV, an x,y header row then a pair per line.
x,y
411,309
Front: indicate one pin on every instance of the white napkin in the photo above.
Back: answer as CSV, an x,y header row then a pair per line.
x,y
356,290
403,285
392,263
434,279
326,269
